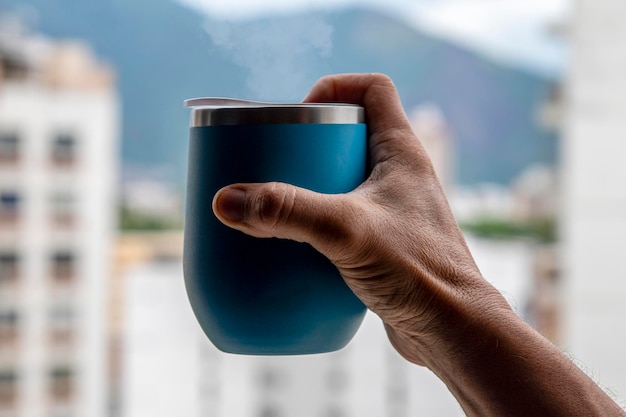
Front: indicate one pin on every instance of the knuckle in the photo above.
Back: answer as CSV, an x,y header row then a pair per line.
x,y
273,204
381,78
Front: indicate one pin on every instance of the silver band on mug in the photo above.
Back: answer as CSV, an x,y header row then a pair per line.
x,y
225,111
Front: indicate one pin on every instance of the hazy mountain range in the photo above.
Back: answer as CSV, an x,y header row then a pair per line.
x,y
164,53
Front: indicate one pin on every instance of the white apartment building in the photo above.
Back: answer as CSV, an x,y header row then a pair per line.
x,y
594,205
58,155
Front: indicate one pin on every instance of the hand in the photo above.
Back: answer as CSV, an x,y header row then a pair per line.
x,y
398,247
393,239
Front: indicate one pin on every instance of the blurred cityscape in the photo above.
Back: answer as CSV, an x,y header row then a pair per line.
x,y
59,134
94,319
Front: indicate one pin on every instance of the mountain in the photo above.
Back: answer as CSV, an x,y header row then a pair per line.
x,y
165,53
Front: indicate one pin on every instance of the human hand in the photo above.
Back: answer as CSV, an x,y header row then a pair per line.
x,y
393,239
398,247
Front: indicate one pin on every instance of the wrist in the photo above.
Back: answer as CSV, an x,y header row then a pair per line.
x,y
495,364
457,317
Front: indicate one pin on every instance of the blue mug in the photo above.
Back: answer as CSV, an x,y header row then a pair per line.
x,y
269,296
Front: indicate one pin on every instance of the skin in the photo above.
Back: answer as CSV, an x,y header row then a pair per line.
x,y
398,247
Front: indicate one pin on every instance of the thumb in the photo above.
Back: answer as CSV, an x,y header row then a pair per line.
x,y
285,211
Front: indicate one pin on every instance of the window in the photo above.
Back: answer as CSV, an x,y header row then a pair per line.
x,y
63,266
61,318
61,379
8,388
63,209
9,208
63,150
8,327
9,267
9,148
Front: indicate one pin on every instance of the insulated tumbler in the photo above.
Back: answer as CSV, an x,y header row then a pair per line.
x,y
269,296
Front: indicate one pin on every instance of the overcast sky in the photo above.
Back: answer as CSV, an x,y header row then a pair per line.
x,y
511,30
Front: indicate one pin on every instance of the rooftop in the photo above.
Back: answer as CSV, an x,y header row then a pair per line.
x,y
52,63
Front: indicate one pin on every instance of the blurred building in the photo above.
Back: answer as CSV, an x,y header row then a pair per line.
x,y
535,194
431,128
58,159
535,197
594,204
171,368
133,250
544,310
168,366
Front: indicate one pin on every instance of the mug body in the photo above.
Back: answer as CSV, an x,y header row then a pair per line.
x,y
268,296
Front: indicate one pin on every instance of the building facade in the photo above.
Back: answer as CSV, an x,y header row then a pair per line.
x,y
429,124
593,210
58,159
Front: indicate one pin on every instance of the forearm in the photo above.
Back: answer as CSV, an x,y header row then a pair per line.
x,y
496,365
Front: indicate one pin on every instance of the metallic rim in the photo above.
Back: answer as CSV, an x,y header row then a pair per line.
x,y
225,112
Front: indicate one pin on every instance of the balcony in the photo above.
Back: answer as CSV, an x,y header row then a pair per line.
x,y
10,202
63,267
8,389
63,152
9,269
9,149
63,210
61,326
9,329
61,387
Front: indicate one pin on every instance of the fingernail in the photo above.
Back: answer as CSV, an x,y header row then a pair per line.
x,y
231,204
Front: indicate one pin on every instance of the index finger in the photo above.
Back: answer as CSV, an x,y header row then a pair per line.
x,y
375,92
389,128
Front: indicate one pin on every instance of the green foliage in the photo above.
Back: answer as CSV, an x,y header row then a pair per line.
x,y
543,230
135,221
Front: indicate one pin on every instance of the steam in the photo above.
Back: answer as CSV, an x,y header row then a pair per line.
x,y
275,53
